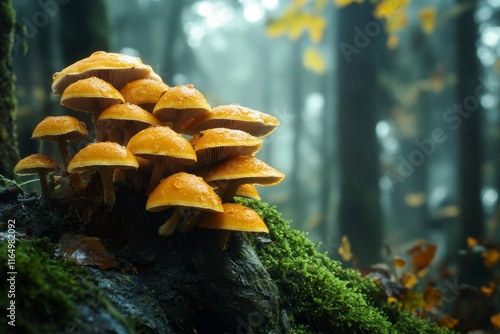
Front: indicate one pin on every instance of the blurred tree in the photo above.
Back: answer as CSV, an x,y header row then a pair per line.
x,y
9,154
362,46
468,113
84,29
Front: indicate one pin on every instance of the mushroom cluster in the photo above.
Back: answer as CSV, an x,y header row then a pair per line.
x,y
167,141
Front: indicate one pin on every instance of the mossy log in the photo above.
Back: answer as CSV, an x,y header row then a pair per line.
x,y
183,283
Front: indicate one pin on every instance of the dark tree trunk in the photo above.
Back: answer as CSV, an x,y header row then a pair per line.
x,y
9,154
470,160
358,63
84,29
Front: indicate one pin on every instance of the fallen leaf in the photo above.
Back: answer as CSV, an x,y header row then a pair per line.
x,y
432,298
495,320
488,290
387,8
447,322
422,254
471,242
345,249
409,280
86,251
491,257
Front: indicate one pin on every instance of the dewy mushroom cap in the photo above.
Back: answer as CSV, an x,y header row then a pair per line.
x,y
183,189
245,169
32,164
235,217
162,141
118,69
52,128
102,155
234,116
143,91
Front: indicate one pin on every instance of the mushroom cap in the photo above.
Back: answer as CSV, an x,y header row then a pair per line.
x,y
181,103
91,95
234,116
248,191
126,113
34,164
214,145
183,189
244,169
53,128
102,155
143,91
115,68
236,217
161,142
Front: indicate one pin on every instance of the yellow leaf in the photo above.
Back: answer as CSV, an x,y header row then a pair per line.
x,y
471,242
495,320
295,23
491,257
392,41
345,249
387,8
344,3
396,22
398,262
488,290
422,254
428,19
314,61
409,280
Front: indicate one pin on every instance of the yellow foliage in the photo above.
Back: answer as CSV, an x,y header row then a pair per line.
x,y
428,19
345,249
388,8
392,41
344,3
495,320
314,61
295,23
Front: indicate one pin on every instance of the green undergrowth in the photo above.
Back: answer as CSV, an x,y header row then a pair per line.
x,y
48,290
318,294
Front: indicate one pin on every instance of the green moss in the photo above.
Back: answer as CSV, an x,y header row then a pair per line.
x,y
321,296
49,289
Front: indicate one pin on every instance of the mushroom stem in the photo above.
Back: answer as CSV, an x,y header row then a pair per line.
x,y
76,181
107,187
228,194
62,144
169,227
156,176
43,184
99,133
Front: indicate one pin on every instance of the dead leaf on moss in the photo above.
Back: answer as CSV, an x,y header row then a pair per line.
x,y
86,251
422,254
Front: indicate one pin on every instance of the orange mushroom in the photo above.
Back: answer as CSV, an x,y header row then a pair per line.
x,y
214,145
144,92
183,191
233,116
162,146
127,118
92,95
115,68
37,164
233,172
103,157
60,129
179,104
235,217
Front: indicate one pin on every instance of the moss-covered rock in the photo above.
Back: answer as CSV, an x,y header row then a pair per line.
x,y
53,294
318,294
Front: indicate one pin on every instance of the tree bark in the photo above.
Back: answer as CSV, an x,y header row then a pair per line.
x,y
359,211
9,154
470,159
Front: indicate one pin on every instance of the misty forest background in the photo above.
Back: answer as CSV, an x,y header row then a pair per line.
x,y
390,120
